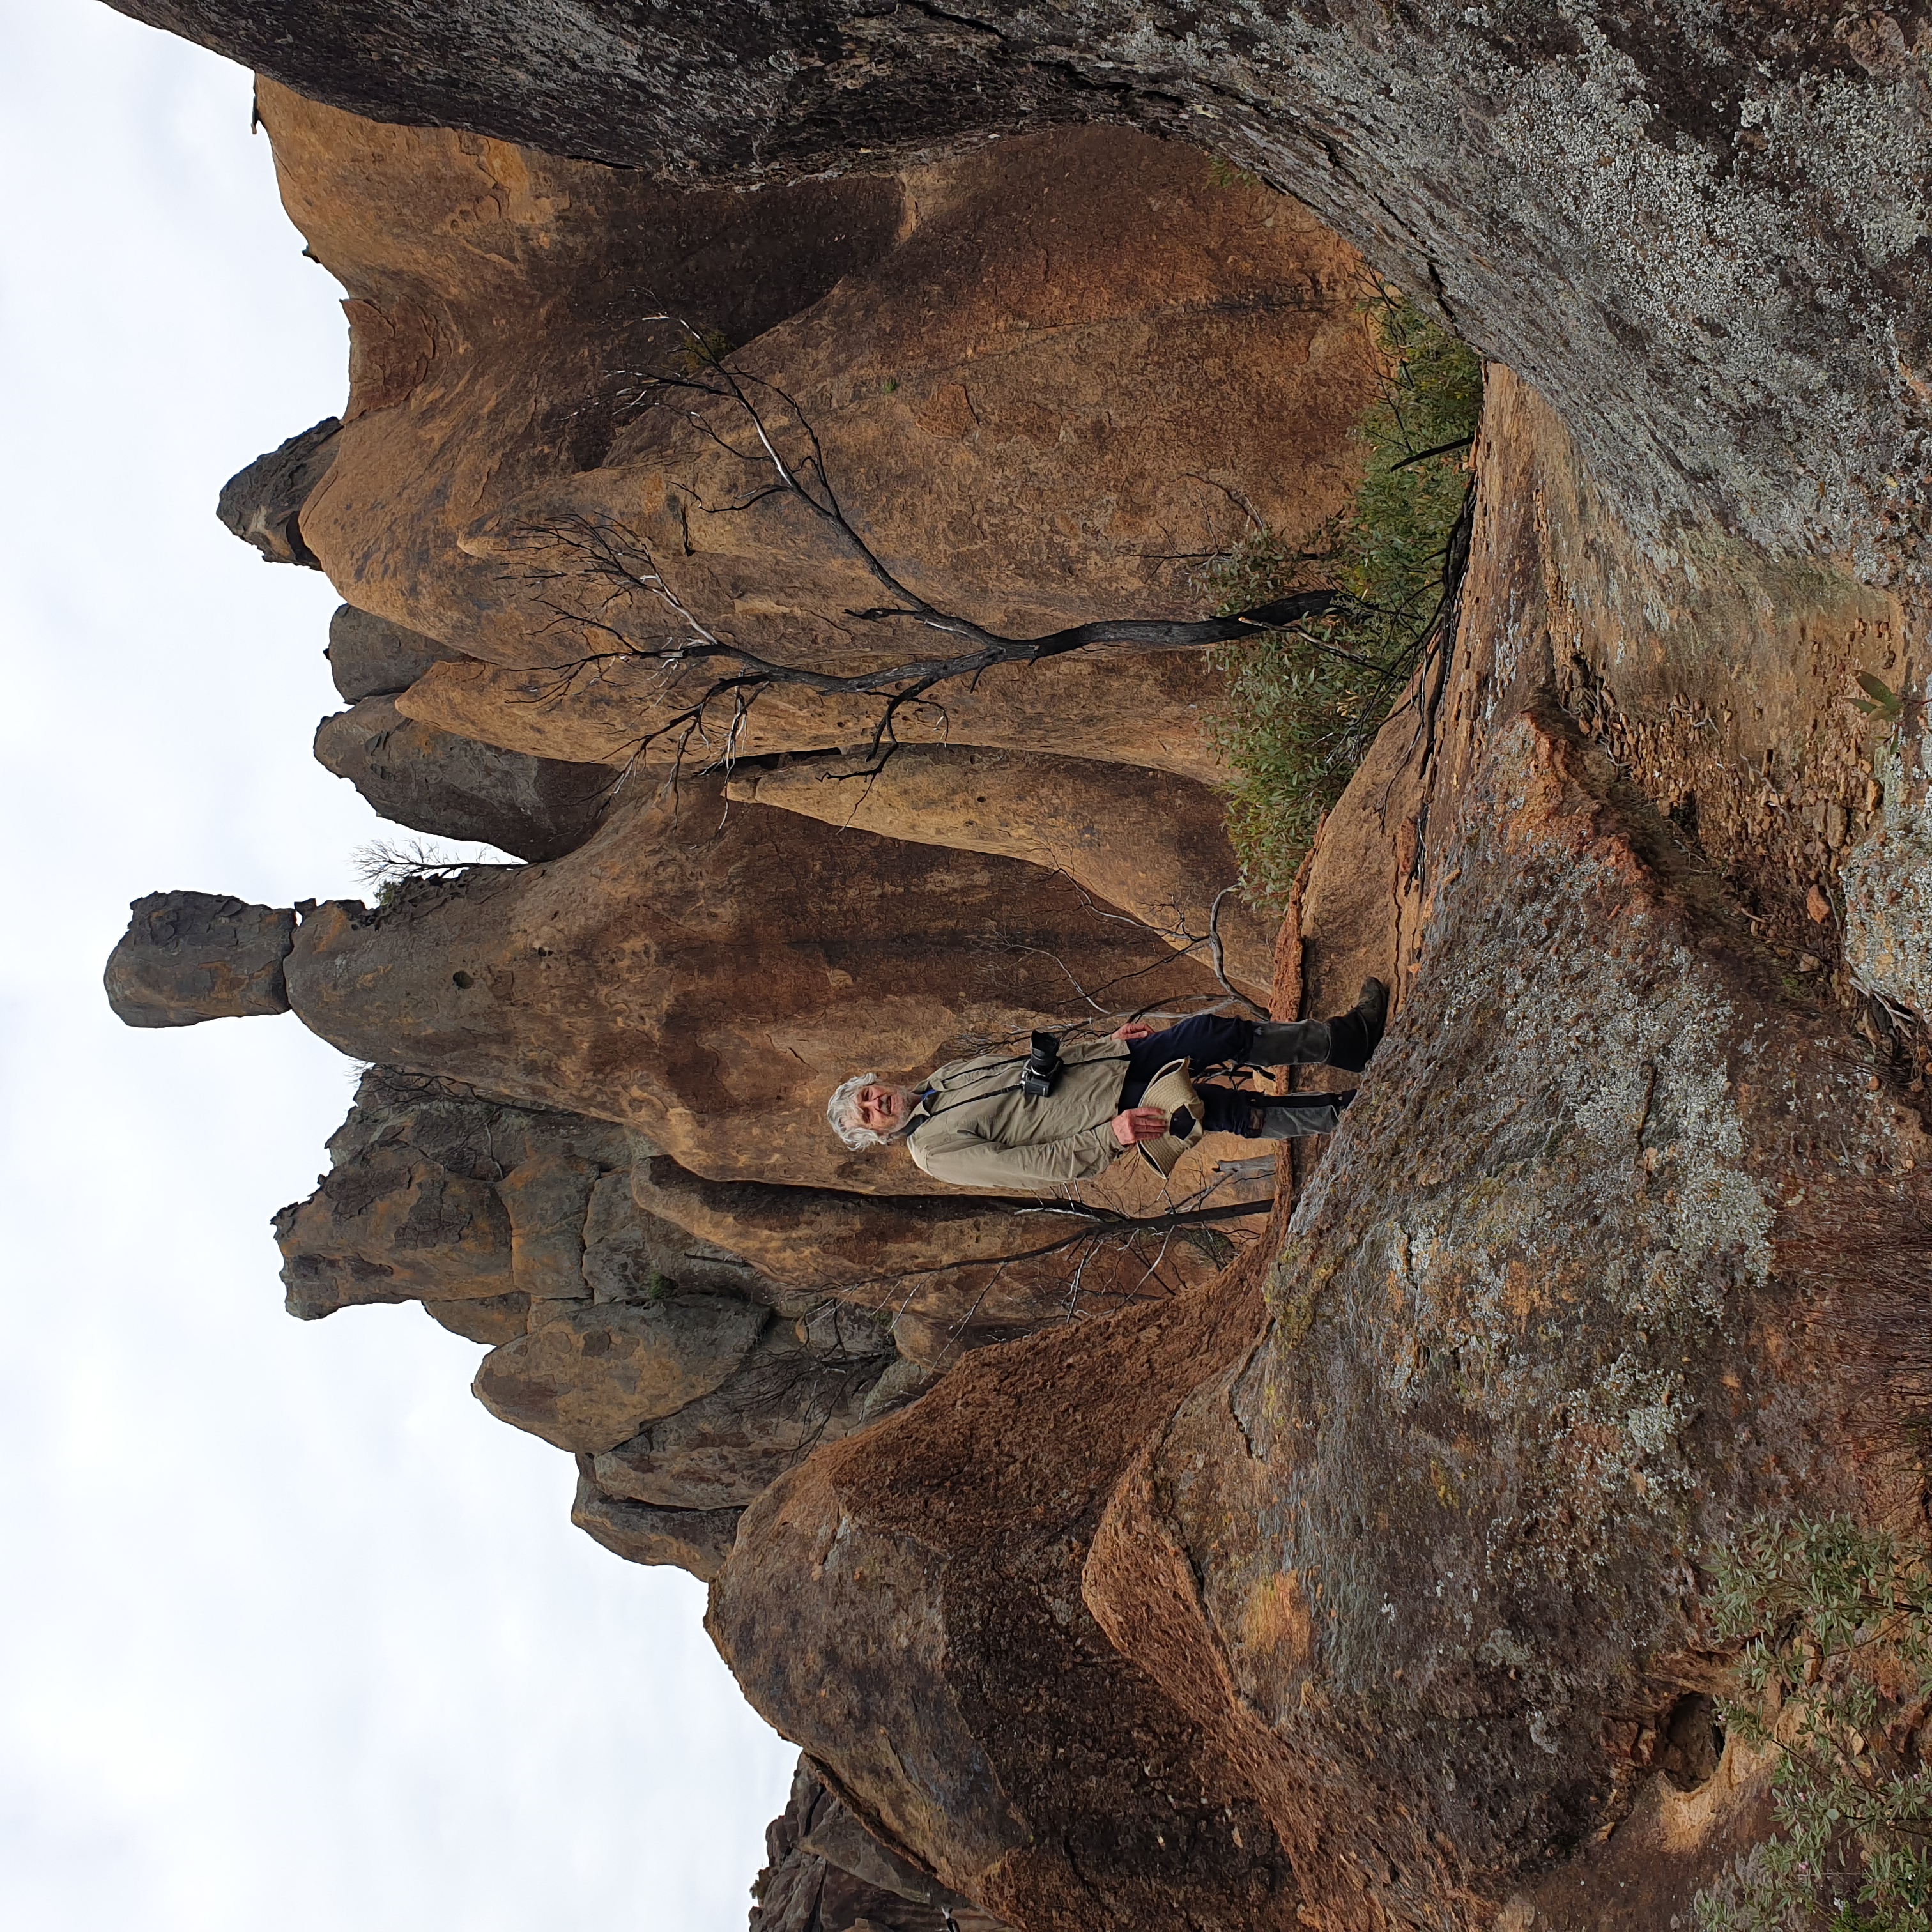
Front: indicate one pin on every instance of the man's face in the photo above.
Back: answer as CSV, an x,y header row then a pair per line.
x,y
881,1108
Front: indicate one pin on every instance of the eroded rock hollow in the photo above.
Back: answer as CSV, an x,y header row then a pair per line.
x,y
1313,1541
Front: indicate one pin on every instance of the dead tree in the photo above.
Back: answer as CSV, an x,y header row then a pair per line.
x,y
600,576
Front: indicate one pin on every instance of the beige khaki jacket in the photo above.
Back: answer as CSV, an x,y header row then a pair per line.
x,y
977,1129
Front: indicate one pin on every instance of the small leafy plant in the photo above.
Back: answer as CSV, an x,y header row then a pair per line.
x,y
1880,701
1304,703
1837,1675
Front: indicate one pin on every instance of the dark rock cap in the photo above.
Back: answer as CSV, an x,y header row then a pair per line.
x,y
262,504
191,956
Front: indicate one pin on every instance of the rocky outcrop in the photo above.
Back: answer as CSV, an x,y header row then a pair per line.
x,y
187,957
686,1380
1356,1583
824,1872
708,974
959,344
370,657
1401,1549
1663,220
697,1541
414,775
262,504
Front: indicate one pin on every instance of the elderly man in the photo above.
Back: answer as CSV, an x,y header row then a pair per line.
x,y
973,1123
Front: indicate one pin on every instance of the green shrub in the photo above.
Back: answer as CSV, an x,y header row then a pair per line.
x,y
1304,703
1837,1673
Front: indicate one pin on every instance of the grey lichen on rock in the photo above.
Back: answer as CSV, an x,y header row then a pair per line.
x,y
1888,887
187,957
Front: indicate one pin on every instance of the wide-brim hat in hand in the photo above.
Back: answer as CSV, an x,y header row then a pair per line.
x,y
1173,1092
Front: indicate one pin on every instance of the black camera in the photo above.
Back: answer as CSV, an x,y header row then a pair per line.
x,y
1042,1066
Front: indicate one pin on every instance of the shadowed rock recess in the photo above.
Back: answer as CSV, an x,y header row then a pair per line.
x,y
1323,1542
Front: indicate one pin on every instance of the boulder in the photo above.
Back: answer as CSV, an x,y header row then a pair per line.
x,y
187,957
440,1194
1153,844
370,657
824,1872
697,1541
390,1226
592,1375
262,504
431,780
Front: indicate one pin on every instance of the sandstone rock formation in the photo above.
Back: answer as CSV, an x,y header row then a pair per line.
x,y
1403,1551
1700,234
370,657
432,781
708,974
1163,1566
187,957
825,1872
1148,842
955,339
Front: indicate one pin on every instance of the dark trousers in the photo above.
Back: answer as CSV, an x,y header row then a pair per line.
x,y
1206,1040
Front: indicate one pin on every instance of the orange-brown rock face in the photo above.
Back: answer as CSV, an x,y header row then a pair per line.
x,y
1045,381
1401,1552
709,973
1357,1584
1148,842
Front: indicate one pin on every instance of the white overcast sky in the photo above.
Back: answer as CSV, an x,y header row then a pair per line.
x,y
292,1633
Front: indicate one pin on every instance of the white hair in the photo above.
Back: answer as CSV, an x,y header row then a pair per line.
x,y
842,1111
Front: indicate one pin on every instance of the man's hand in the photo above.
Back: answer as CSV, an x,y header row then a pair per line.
x,y
1126,1035
1139,1123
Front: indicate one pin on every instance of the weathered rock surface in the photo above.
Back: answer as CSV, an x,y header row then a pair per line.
x,y
187,957
1148,842
370,657
824,1872
1360,1586
965,341
790,1393
433,781
1405,1549
439,1194
1887,883
1155,707
960,1261
591,1376
1700,234
708,976
697,1541
262,504
945,1667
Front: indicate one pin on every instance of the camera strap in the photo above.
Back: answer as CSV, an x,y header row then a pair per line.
x,y
993,1093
